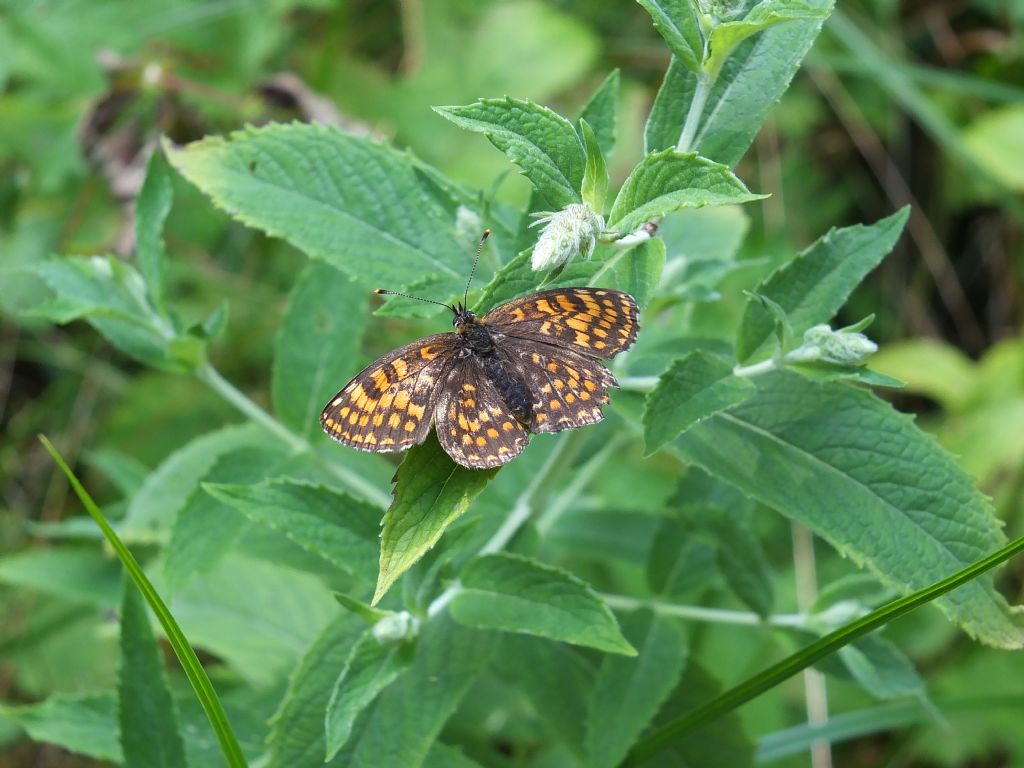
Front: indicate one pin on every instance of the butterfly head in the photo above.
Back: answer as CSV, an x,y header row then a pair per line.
x,y
461,316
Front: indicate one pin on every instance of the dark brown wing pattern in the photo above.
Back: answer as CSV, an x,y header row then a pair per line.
x,y
474,424
389,406
595,321
567,389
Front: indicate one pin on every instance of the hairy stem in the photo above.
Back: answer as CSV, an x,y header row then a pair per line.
x,y
693,115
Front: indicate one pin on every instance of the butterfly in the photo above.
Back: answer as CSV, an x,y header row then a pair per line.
x,y
530,365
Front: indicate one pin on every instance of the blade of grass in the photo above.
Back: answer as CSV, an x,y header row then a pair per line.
x,y
660,738
189,661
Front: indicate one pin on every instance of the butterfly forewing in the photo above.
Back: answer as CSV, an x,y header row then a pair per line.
x,y
595,321
474,424
389,406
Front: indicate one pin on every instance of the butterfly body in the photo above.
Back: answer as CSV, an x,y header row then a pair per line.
x,y
527,366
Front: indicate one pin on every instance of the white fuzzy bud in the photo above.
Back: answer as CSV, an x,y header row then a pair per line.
x,y
839,347
396,628
567,233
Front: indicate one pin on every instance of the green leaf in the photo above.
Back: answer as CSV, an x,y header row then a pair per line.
x,y
931,367
516,594
206,528
727,35
335,526
407,717
595,175
84,723
194,671
750,83
881,668
741,560
317,345
556,678
667,181
111,296
81,575
637,270
431,492
149,724
297,738
154,508
692,389
151,209
677,22
812,287
257,616
864,478
346,200
995,142
601,112
542,143
370,668
629,692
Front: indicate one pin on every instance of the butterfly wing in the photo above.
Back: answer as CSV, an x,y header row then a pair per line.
x,y
567,389
595,321
389,406
474,424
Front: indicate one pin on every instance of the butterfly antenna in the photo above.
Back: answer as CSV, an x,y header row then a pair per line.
x,y
385,292
476,260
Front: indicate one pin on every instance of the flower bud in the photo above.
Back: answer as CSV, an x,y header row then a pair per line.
x,y
840,347
568,232
396,628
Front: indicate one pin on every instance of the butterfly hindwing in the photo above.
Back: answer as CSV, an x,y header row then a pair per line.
x,y
567,389
474,424
595,321
389,405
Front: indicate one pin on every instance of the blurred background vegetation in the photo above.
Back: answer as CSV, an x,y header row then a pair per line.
x,y
918,102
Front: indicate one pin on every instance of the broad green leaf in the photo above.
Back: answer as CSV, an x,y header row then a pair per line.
x,y
431,491
443,756
692,389
750,83
677,22
667,181
637,271
126,472
601,112
335,526
881,668
864,478
257,616
720,744
149,723
996,142
151,209
682,559
407,717
595,175
931,367
741,560
206,528
111,296
81,575
317,345
556,678
84,723
727,35
371,667
516,594
344,199
542,143
296,738
812,287
154,508
629,692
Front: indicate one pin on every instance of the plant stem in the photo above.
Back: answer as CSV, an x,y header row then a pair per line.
x,y
579,481
700,97
211,376
516,519
711,615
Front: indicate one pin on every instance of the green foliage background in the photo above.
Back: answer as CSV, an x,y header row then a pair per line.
x,y
227,297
